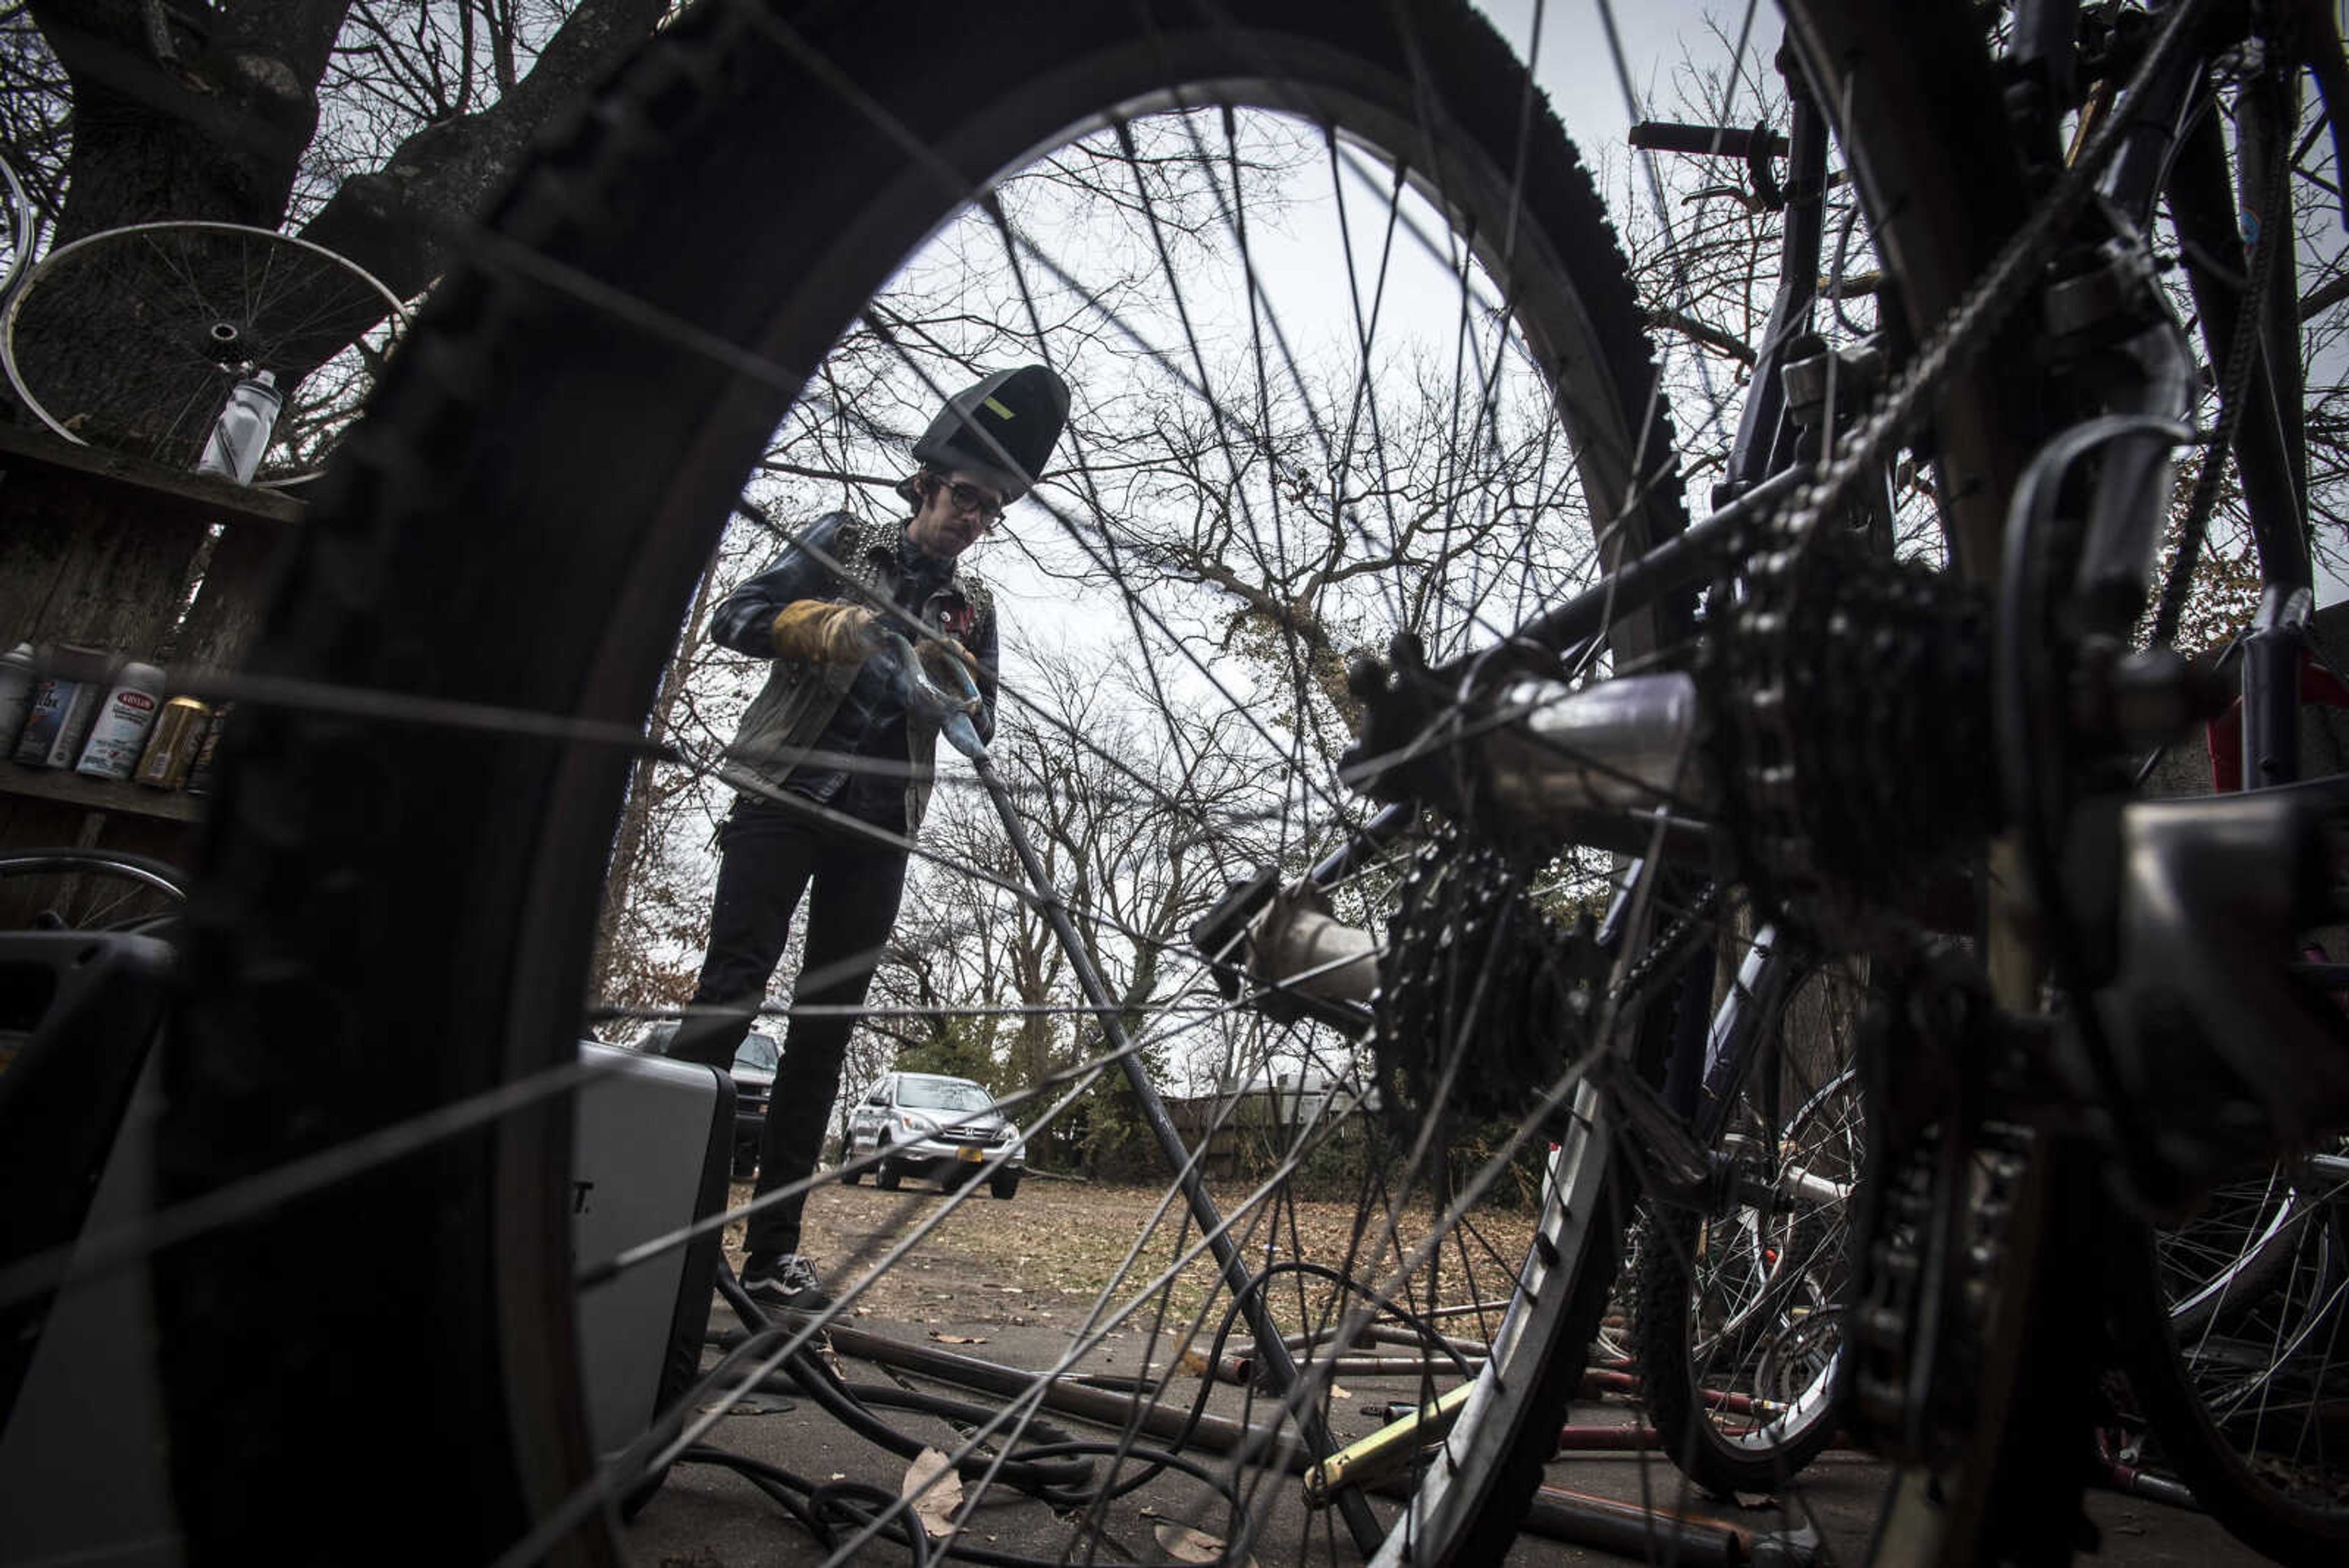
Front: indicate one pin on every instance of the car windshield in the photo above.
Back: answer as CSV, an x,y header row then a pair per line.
x,y
756,1051
943,1095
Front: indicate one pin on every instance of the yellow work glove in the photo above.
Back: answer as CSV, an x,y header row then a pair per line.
x,y
814,631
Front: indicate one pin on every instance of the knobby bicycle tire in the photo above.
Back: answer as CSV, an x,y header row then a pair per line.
x,y
518,526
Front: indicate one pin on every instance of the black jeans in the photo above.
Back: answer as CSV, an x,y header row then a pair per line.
x,y
769,855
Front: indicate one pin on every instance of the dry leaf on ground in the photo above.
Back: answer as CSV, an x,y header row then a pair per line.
x,y
1184,1544
934,1507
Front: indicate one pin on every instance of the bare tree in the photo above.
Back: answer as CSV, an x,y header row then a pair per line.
x,y
380,126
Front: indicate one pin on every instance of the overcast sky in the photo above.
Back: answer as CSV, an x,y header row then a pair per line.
x,y
1574,64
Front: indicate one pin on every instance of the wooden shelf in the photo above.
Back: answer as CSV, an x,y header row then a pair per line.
x,y
69,788
141,488
102,549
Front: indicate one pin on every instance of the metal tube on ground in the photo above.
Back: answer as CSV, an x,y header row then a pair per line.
x,y
1607,1439
1242,1368
1599,1384
1379,1333
2121,1477
1397,1334
1495,1308
1068,1396
1650,1535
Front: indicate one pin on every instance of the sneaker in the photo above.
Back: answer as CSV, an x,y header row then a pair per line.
x,y
788,1282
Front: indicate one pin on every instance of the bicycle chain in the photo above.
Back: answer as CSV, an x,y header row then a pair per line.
x,y
1917,1335
1856,722
1965,329
1668,944
1941,1181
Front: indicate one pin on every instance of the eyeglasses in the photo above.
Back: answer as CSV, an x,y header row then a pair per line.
x,y
970,498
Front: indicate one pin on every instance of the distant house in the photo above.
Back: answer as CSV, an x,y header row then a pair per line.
x,y
1250,1125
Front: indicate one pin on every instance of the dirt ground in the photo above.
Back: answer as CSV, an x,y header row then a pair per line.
x,y
1044,1257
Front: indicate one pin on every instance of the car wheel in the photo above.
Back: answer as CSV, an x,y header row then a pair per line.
x,y
887,1175
746,1161
1003,1184
850,1173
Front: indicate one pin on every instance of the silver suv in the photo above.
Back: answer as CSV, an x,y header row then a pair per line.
x,y
938,1129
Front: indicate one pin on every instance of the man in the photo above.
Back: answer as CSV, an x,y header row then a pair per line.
x,y
832,771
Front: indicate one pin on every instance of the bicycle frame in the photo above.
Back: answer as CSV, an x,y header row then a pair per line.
x,y
2048,1328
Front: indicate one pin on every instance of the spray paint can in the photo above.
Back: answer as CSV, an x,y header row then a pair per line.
x,y
200,776
172,750
16,694
240,435
118,734
65,705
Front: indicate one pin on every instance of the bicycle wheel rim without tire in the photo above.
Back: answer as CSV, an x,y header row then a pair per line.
x,y
21,226
2246,1231
87,890
132,340
334,856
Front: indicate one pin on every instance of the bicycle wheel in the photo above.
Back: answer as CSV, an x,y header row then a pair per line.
x,y
2240,1357
87,890
132,339
694,264
1736,1310
2247,1233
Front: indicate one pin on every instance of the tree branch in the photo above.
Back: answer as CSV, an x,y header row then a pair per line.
x,y
1689,326
397,222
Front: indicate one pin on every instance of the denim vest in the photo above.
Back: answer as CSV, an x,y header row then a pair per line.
x,y
792,712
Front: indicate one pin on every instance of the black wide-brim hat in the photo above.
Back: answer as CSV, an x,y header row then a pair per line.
x,y
1001,430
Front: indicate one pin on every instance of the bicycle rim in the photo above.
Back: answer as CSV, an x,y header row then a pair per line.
x,y
577,411
1739,1357
2237,1354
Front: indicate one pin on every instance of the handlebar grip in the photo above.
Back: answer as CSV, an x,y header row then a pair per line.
x,y
1712,141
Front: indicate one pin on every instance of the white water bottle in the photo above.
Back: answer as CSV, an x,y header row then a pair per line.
x,y
119,732
240,435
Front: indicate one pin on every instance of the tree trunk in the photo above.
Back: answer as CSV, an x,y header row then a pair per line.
x,y
628,848
182,114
